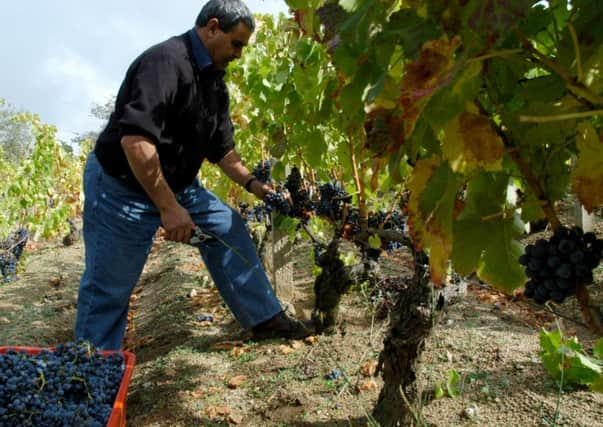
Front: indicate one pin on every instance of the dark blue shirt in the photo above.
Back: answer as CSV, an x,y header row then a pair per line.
x,y
173,95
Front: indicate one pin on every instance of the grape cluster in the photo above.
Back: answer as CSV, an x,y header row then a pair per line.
x,y
332,200
277,202
556,266
11,249
302,205
257,213
71,386
263,171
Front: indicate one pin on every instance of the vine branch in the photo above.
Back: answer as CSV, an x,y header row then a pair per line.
x,y
572,32
559,117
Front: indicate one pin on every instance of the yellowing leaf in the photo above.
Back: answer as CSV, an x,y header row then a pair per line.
x,y
430,211
470,142
587,177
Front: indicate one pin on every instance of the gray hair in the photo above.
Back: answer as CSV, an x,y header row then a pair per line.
x,y
228,12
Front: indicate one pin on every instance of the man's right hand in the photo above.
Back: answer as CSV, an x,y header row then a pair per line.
x,y
177,223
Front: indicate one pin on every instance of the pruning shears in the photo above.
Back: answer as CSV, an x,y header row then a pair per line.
x,y
199,237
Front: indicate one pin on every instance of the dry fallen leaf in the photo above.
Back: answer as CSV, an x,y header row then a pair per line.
x,y
311,340
239,351
54,281
296,345
367,385
236,381
235,419
369,368
214,412
227,345
285,349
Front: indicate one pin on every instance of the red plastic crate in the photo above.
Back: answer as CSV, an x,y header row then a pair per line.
x,y
118,414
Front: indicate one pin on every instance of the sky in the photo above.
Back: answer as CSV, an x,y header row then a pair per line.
x,y
59,58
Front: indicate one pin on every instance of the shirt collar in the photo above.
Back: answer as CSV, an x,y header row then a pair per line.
x,y
200,53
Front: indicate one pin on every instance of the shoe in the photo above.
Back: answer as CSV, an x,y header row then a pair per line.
x,y
282,326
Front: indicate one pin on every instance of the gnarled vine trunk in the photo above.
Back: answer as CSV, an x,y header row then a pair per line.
x,y
411,324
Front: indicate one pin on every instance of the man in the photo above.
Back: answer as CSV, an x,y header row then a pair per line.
x,y
170,114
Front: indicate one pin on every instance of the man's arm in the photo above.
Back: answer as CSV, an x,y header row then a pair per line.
x,y
232,165
144,161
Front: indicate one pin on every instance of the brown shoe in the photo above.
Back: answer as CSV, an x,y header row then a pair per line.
x,y
282,326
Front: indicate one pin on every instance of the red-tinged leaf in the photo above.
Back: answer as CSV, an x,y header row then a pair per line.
x,y
470,142
424,76
433,192
384,131
587,177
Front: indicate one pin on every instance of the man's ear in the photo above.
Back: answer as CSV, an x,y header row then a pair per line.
x,y
213,25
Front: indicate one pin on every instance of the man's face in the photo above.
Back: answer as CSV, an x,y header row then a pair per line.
x,y
224,47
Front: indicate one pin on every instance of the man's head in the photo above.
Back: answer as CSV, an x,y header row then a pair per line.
x,y
225,27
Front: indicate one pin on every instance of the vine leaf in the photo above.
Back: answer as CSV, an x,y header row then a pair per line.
x,y
499,264
471,142
433,190
587,177
485,197
424,76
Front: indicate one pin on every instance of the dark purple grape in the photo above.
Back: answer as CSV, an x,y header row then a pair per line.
x,y
564,271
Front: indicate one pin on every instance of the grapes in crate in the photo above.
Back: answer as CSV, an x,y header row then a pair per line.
x,y
73,385
558,265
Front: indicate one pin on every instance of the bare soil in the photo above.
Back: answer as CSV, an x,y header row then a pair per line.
x,y
191,372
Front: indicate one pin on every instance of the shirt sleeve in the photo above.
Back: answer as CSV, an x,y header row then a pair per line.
x,y
153,85
223,139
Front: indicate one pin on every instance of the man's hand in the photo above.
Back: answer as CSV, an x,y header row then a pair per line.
x,y
260,189
177,223
143,159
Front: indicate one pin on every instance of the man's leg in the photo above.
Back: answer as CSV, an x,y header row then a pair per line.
x,y
119,225
231,258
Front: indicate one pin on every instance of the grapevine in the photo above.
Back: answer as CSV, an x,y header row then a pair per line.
x,y
11,249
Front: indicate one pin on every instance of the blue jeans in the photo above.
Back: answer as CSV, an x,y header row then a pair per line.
x,y
119,227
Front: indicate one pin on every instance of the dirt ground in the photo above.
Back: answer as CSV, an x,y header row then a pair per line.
x,y
195,372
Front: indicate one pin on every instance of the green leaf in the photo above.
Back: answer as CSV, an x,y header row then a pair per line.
x,y
452,383
438,391
597,384
485,197
499,264
598,350
410,30
350,5
550,341
285,223
374,241
543,89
